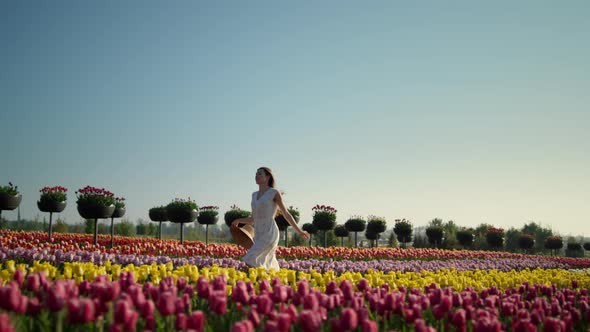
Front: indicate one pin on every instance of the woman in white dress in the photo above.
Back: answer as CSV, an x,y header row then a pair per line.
x,y
265,203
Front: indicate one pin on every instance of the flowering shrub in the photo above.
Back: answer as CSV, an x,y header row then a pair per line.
x,y
53,194
95,196
182,204
10,189
208,215
526,241
495,237
324,217
234,213
119,202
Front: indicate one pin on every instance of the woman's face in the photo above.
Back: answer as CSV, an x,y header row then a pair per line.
x,y
261,177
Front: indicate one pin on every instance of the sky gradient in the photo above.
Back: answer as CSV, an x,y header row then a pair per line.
x,y
462,111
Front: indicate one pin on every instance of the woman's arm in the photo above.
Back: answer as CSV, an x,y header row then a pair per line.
x,y
279,200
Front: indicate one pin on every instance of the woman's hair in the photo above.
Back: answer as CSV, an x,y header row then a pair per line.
x,y
271,180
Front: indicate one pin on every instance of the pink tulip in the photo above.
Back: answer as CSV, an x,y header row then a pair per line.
x,y
218,302
196,321
271,326
310,321
254,317
56,296
181,322
420,326
348,319
243,326
167,303
369,326
33,282
131,323
303,287
310,302
5,325
203,287
553,325
10,297
33,306
240,293
123,311
284,322
264,304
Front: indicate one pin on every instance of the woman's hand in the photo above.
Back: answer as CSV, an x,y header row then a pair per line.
x,y
305,234
236,223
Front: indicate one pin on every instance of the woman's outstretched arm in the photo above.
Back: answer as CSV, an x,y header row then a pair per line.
x,y
279,200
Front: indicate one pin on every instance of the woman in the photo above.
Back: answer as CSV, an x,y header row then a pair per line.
x,y
265,203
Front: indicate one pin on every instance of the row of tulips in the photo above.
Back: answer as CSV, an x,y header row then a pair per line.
x,y
34,302
478,279
145,246
58,257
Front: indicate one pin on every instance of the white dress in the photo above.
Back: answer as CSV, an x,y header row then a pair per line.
x,y
266,232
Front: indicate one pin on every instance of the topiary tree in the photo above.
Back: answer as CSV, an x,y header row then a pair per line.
x,y
435,235
574,249
376,225
235,213
495,237
526,242
158,214
465,237
324,219
282,222
341,232
371,236
208,215
311,229
554,243
403,230
355,225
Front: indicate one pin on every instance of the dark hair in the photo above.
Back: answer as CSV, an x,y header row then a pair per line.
x,y
271,181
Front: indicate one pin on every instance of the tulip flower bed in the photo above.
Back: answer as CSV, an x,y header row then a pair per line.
x,y
216,303
74,243
147,284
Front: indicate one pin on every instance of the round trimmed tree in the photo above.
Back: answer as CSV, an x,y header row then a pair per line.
x,y
495,237
465,237
282,222
371,236
208,215
355,225
553,243
311,229
526,242
376,225
435,235
403,230
324,219
341,232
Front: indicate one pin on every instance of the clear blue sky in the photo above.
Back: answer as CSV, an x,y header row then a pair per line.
x,y
458,110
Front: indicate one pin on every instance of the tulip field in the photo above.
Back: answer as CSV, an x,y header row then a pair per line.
x,y
144,284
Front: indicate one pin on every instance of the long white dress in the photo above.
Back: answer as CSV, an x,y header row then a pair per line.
x,y
266,232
